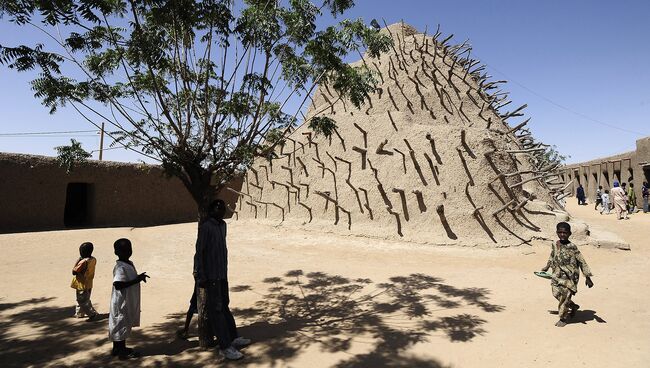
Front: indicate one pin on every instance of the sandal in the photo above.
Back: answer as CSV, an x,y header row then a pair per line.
x,y
128,353
182,334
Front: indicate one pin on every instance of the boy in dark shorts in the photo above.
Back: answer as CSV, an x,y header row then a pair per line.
x,y
566,262
599,197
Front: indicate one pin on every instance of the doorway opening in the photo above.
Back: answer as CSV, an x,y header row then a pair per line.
x,y
77,205
630,178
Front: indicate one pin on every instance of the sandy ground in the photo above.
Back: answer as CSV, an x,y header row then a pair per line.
x,y
319,300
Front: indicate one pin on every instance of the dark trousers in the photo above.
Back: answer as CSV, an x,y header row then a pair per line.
x,y
220,319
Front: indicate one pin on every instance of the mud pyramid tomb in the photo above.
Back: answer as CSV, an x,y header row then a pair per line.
x,y
438,156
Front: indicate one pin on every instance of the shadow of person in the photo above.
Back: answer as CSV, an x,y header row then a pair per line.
x,y
160,339
98,317
584,316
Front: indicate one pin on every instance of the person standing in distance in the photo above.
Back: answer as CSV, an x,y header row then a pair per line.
x,y
580,194
619,197
599,197
211,275
645,193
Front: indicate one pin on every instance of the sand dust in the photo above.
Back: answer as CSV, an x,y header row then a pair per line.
x,y
320,300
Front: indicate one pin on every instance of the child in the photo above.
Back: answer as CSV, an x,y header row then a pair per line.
x,y
631,199
605,199
125,300
599,197
82,282
191,311
566,261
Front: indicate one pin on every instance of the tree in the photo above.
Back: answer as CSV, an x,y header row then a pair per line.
x,y
69,156
194,85
203,87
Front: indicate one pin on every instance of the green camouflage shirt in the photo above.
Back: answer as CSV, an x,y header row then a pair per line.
x,y
566,260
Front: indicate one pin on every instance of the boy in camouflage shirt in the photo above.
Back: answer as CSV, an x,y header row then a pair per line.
x,y
566,261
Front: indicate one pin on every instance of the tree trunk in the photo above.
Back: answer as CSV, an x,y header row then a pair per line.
x,y
203,192
205,333
206,337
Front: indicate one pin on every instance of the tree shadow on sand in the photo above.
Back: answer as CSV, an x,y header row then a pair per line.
x,y
50,335
301,310
374,324
52,332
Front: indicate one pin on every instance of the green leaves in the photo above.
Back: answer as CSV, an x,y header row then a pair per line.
x,y
239,106
300,21
104,63
276,117
552,156
24,58
200,85
96,38
255,82
63,12
338,6
322,125
356,83
274,137
259,25
69,156
55,91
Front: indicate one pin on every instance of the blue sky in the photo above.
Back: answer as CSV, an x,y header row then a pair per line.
x,y
583,68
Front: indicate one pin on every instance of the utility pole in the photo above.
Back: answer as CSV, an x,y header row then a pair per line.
x,y
101,142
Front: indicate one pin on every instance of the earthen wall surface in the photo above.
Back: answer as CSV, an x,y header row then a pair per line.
x,y
33,194
629,167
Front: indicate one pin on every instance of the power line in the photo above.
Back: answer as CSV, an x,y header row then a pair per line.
x,y
36,134
108,149
586,117
50,136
